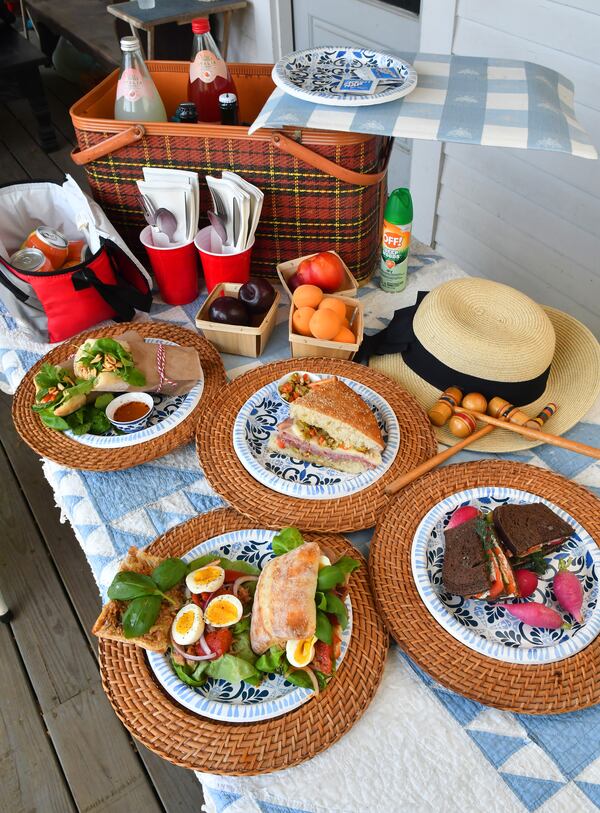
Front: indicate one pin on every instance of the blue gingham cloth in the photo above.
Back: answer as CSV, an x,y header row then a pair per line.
x,y
418,746
472,100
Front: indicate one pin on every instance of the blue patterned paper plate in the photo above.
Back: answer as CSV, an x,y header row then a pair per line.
x,y
313,74
169,411
487,628
239,702
259,417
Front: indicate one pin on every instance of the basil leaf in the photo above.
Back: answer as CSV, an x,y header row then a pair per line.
x,y
102,401
336,606
320,600
81,428
52,421
286,540
201,561
140,615
271,660
99,422
189,675
333,575
128,585
132,376
324,631
168,573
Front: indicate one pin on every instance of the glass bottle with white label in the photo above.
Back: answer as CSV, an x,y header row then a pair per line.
x,y
209,75
137,96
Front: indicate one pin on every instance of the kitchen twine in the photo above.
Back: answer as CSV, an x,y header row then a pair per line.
x,y
161,360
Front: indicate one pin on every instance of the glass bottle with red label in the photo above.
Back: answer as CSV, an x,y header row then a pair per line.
x,y
209,75
137,96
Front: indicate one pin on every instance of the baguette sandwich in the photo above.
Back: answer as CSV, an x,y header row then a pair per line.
x,y
331,426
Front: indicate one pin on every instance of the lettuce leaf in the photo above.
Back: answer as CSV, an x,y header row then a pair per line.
x,y
233,669
271,660
227,564
286,540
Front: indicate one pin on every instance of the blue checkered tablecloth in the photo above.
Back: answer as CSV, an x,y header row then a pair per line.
x,y
472,100
418,747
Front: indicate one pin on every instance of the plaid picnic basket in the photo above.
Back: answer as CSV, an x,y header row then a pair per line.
x,y
323,189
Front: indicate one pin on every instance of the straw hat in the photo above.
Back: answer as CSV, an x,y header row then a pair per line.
x,y
486,330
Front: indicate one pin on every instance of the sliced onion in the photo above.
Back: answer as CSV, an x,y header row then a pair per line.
x,y
206,601
185,655
205,647
311,675
241,581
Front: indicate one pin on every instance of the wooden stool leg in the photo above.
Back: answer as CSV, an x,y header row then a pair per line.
x,y
32,88
150,45
225,42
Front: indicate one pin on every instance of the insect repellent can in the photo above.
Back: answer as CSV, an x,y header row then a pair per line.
x,y
397,223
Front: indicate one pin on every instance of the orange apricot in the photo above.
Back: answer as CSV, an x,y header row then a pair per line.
x,y
307,296
335,305
301,320
325,324
345,335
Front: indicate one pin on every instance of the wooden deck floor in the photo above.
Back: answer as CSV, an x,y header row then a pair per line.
x,y
62,748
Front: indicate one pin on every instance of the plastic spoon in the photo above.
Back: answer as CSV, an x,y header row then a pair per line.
x,y
218,225
166,222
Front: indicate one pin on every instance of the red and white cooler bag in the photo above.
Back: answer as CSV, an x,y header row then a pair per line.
x,y
51,306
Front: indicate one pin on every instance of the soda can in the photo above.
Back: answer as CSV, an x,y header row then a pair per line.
x,y
51,243
30,260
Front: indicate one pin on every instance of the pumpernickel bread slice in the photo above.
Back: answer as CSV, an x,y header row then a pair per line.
x,y
526,529
466,568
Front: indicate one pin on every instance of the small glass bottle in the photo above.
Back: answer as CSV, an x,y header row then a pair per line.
x,y
209,75
137,96
229,109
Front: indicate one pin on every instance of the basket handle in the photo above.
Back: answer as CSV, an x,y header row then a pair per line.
x,y
317,161
111,144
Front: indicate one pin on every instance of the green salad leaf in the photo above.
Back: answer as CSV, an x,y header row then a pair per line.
x,y
127,371
271,660
324,630
286,540
52,421
103,400
321,600
169,573
332,575
140,615
193,676
335,605
128,585
227,564
234,669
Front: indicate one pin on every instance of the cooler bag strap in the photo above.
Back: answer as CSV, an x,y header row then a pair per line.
x,y
123,298
122,139
317,161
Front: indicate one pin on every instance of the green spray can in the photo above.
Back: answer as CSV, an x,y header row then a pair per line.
x,y
397,224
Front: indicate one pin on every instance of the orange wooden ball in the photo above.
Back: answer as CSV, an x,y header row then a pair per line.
x,y
474,401
461,425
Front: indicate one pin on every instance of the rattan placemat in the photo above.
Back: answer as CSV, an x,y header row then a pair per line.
x,y
554,688
214,442
62,449
184,738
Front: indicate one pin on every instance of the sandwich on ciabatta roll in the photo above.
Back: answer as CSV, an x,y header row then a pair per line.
x,y
475,566
331,426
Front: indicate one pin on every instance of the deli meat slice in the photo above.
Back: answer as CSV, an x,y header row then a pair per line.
x,y
290,439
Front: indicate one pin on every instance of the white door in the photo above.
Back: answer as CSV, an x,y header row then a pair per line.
x,y
367,24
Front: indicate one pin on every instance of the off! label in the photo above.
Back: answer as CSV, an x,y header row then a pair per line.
x,y
396,240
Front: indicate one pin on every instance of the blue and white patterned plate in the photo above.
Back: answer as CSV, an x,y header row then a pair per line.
x,y
238,702
169,411
313,74
487,628
259,417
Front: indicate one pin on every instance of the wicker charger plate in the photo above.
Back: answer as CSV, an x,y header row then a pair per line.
x,y
214,442
553,688
184,738
62,449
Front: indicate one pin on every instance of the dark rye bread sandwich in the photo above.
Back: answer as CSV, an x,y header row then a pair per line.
x,y
528,529
331,426
474,563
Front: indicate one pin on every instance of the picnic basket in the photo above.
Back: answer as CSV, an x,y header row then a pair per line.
x,y
323,189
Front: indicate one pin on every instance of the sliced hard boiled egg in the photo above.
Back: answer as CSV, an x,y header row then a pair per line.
x,y
300,651
188,625
324,561
205,579
223,611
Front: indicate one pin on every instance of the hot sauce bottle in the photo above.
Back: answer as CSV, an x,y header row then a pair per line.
x,y
209,75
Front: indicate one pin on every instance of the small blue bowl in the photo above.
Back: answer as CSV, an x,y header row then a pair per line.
x,y
127,397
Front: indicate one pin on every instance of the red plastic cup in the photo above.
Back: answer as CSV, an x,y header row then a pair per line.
x,y
222,267
175,269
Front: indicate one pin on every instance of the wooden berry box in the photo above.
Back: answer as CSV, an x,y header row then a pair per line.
x,y
289,267
308,346
239,340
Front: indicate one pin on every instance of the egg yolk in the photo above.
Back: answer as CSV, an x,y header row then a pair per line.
x,y
185,622
221,612
205,575
302,650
